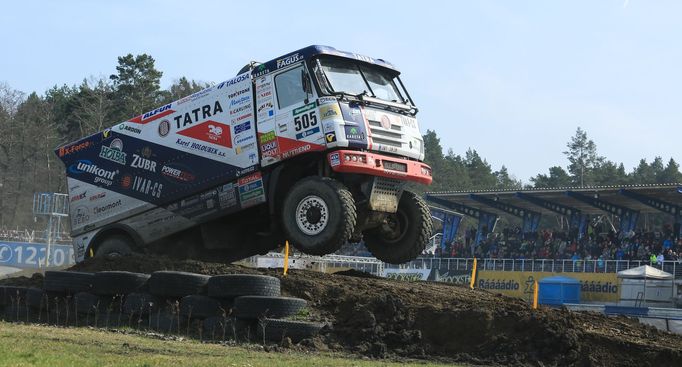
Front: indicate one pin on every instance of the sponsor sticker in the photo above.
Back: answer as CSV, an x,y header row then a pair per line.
x,y
102,176
334,159
114,152
330,137
330,111
164,128
75,147
307,133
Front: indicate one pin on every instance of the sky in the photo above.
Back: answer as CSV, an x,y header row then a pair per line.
x,y
510,79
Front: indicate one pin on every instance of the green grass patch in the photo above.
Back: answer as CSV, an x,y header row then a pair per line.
x,y
36,345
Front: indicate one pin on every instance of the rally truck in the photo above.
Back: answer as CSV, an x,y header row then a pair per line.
x,y
316,148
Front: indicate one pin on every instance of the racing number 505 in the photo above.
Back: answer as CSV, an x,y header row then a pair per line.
x,y
305,121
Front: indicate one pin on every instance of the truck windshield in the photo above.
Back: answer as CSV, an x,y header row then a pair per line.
x,y
346,76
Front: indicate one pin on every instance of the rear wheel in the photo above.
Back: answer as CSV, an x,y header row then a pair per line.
x,y
318,215
114,246
403,235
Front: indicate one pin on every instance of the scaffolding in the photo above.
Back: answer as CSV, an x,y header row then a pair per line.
x,y
54,207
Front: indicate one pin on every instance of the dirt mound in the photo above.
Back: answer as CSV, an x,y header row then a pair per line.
x,y
384,318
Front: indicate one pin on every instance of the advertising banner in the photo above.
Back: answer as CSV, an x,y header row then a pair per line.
x,y
407,274
33,255
593,287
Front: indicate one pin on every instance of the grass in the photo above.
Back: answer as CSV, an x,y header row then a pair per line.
x,y
36,345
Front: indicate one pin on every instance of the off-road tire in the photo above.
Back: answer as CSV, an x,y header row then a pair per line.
x,y
341,213
177,284
236,285
112,283
200,307
140,304
412,240
277,330
114,246
67,281
255,307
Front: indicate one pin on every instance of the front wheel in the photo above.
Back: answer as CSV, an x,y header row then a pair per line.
x,y
318,215
403,235
114,246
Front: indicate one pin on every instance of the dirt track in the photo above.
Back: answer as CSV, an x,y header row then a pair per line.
x,y
384,318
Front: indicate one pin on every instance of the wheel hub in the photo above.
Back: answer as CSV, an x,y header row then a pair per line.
x,y
312,215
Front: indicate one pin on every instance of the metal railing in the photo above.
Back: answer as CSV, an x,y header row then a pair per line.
x,y
546,265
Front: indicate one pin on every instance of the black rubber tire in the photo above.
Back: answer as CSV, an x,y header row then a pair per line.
x,y
412,240
111,283
36,298
255,307
140,304
177,284
200,307
67,281
10,295
342,215
236,285
277,330
88,303
115,246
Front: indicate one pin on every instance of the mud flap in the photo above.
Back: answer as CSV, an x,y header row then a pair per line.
x,y
385,194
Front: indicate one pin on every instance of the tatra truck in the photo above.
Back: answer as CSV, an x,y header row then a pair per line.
x,y
315,147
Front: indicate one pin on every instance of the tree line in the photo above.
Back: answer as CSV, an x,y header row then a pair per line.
x,y
585,167
33,125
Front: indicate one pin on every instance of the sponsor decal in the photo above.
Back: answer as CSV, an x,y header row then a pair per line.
x,y
239,101
243,148
300,110
199,147
143,163
288,60
268,144
197,114
307,133
81,216
146,186
102,176
296,151
242,118
177,173
227,197
98,196
211,132
106,133
334,159
153,115
164,128
240,92
326,100
265,110
78,197
240,139
114,152
267,137
75,147
330,111
238,110
238,129
134,130
251,190
330,137
126,181
353,133
99,210
265,94
260,70
195,96
263,85
237,79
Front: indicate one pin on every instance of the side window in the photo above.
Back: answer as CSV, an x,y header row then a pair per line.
x,y
289,88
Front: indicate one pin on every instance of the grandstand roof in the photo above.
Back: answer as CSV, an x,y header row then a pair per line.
x,y
670,194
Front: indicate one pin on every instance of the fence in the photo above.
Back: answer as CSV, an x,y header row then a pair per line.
x,y
547,265
321,263
25,235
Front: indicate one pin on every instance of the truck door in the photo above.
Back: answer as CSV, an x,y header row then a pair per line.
x,y
294,126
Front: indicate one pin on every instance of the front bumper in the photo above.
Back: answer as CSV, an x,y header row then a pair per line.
x,y
353,161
